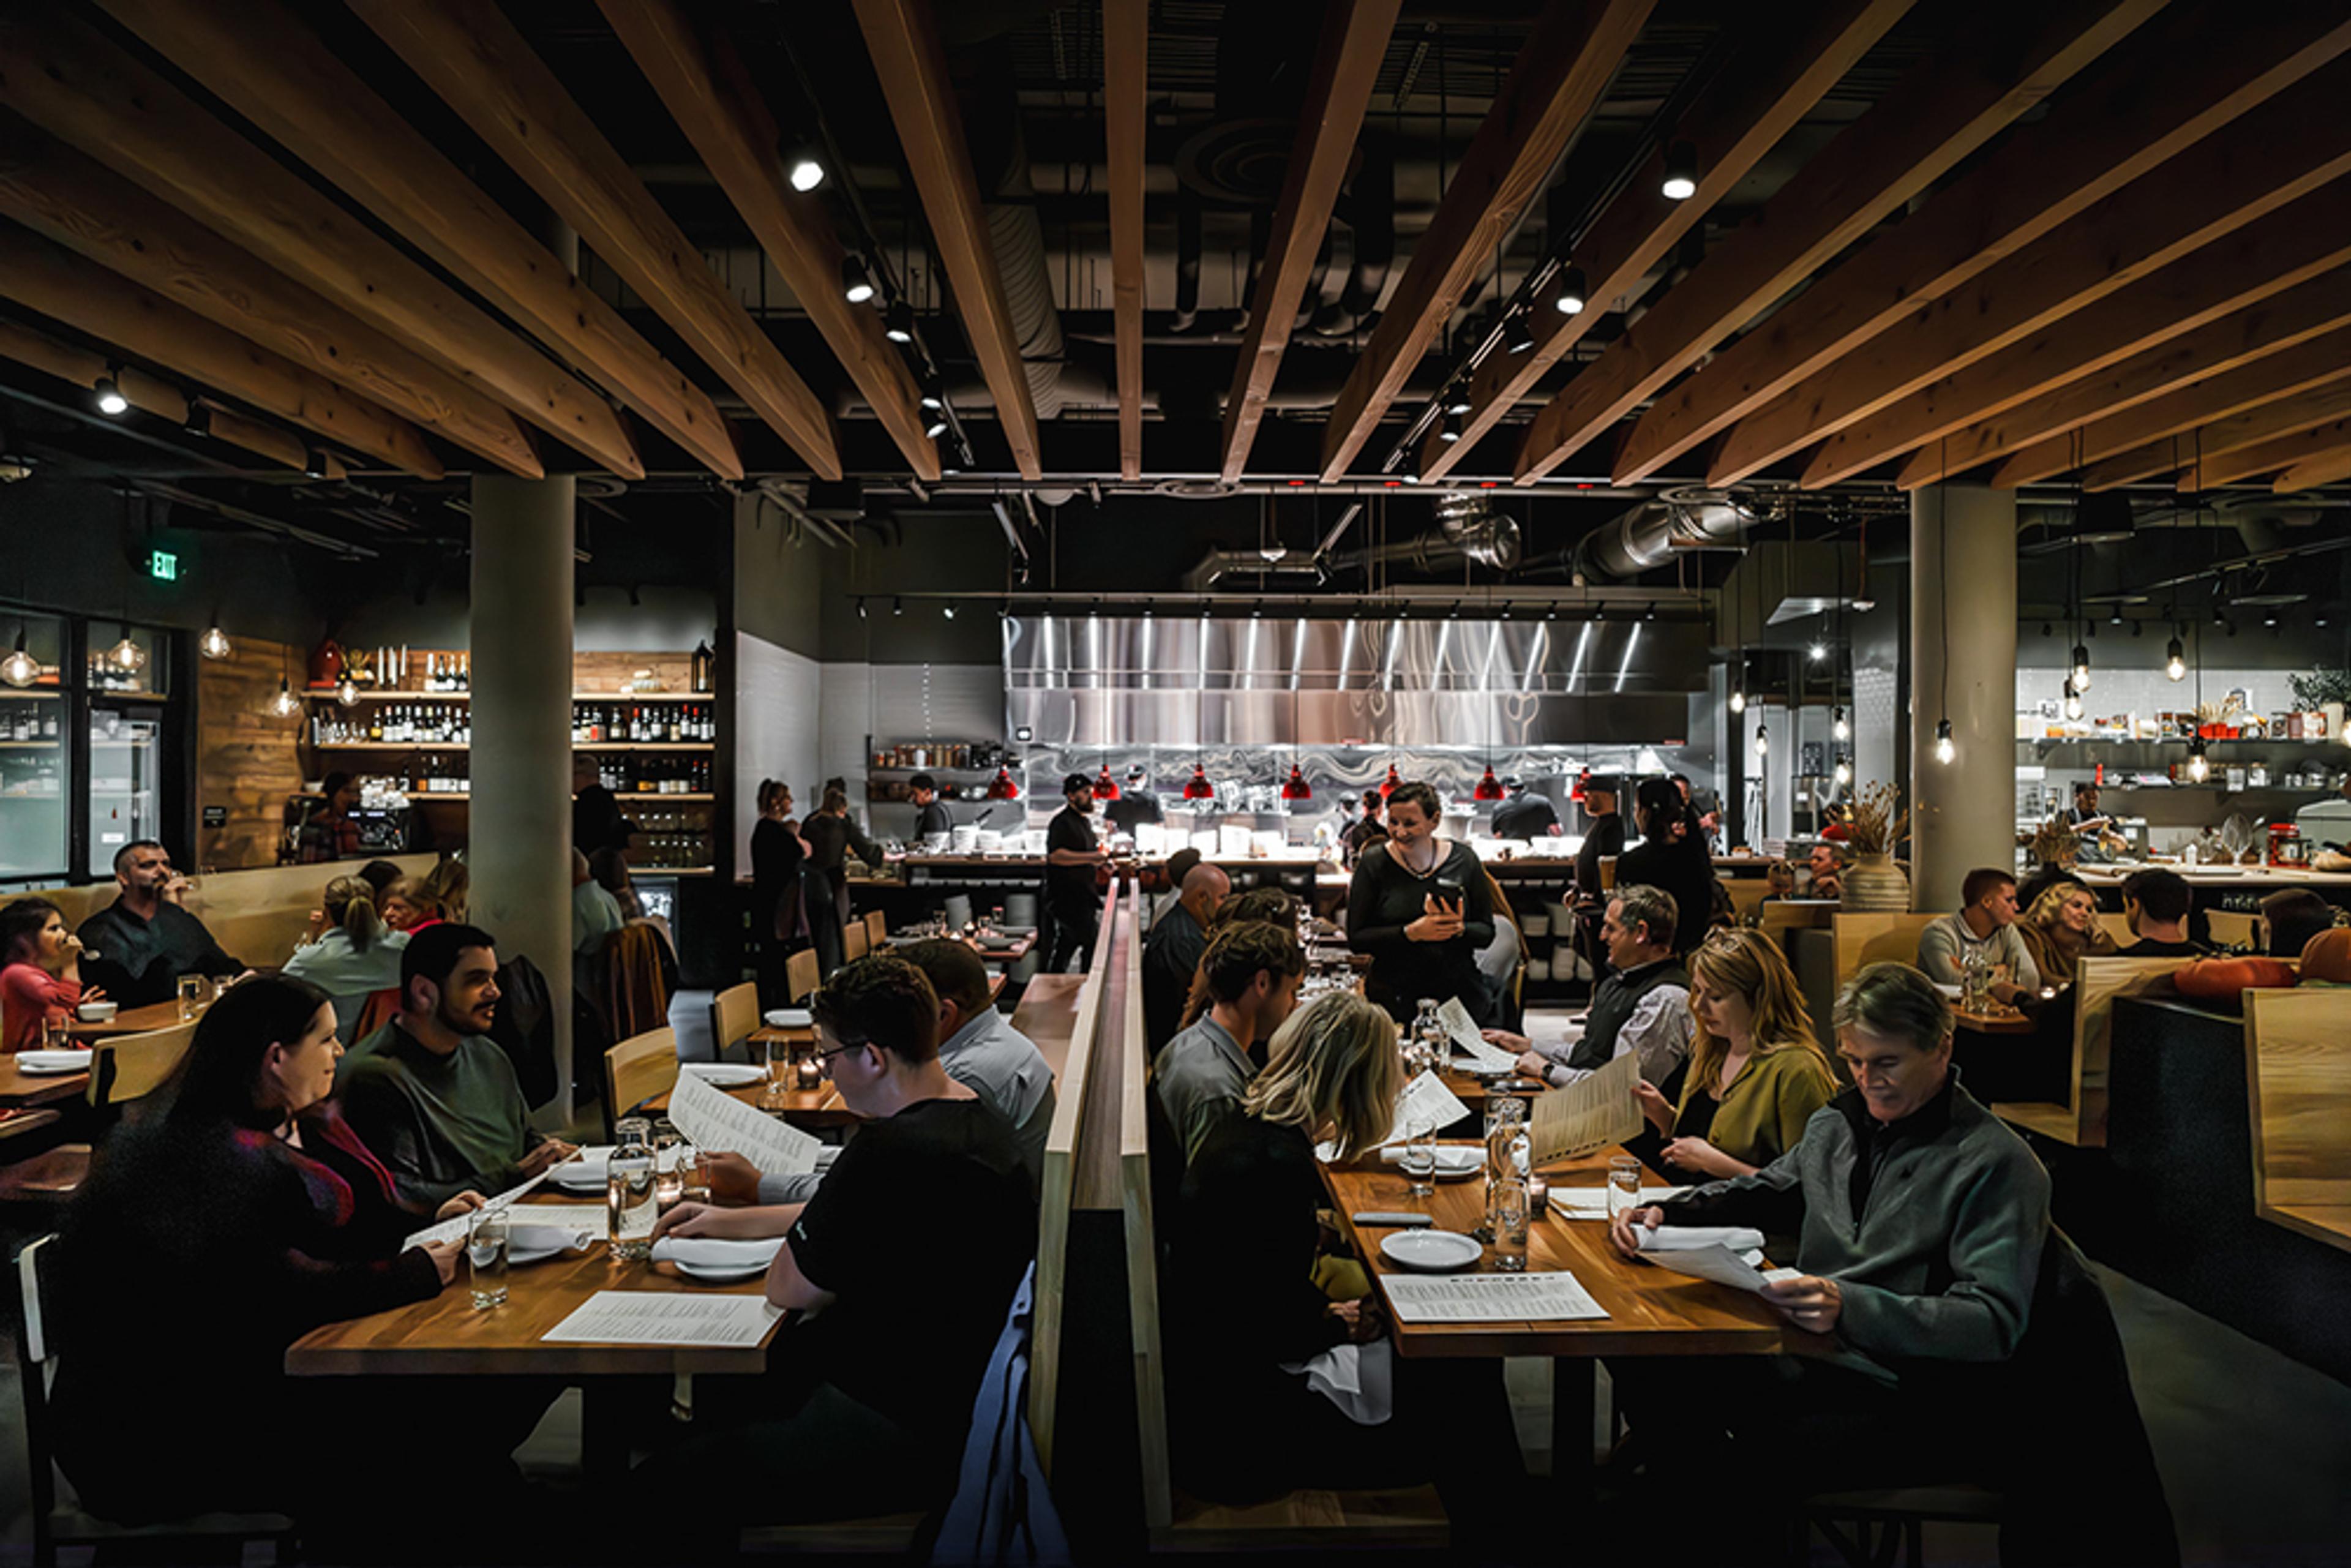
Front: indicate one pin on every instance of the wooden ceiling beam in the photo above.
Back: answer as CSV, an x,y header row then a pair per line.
x,y
87,207
1126,56
1557,80
710,94
1338,90
2329,466
56,282
2290,246
481,66
62,75
902,37
271,69
1941,110
2159,93
2105,416
2268,157
81,367
2213,470
1783,72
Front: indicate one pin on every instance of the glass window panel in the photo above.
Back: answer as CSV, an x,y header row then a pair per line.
x,y
35,760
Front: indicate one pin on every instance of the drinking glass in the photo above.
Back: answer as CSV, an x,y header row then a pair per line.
x,y
669,1165
1506,1211
1420,1156
192,996
1624,1184
57,1034
629,1198
779,1074
488,1237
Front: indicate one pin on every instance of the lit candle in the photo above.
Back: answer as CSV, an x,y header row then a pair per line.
x,y
811,1072
1538,1194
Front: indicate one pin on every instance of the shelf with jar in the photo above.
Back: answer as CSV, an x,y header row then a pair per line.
x,y
436,773
599,726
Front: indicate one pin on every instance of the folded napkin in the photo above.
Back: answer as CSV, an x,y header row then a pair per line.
x,y
1360,1379
587,1170
1452,1159
550,1239
1691,1238
53,1061
717,1251
1591,1202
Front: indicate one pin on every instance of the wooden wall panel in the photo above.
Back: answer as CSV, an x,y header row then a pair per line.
x,y
248,760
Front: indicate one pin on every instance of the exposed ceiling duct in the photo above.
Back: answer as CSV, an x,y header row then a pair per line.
x,y
1468,530
1648,536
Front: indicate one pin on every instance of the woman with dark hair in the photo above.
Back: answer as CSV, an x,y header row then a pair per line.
x,y
779,913
42,978
242,1193
330,834
1419,905
832,836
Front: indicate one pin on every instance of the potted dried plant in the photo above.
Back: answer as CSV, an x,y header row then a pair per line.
x,y
1874,824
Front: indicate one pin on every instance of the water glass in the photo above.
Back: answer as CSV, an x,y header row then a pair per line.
x,y
1420,1156
57,1034
629,1199
192,996
1506,1211
780,1075
669,1165
1624,1184
488,1239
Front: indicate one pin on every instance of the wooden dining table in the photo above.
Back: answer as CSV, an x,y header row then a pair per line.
x,y
810,1110
129,1021
1652,1310
2008,1021
19,1088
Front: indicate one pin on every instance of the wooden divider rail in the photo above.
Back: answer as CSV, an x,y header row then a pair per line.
x,y
2298,1092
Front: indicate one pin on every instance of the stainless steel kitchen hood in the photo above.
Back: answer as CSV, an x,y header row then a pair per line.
x,y
1182,680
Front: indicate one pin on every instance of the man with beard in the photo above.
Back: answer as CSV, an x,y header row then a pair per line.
x,y
1073,857
437,1102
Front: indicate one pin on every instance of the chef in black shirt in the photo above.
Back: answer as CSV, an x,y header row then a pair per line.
x,y
1604,836
1135,804
930,811
1071,855
1526,814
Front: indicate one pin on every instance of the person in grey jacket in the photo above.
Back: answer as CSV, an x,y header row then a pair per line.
x,y
1921,1221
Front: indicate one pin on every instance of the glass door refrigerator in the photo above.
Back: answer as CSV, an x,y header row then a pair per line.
x,y
36,753
130,768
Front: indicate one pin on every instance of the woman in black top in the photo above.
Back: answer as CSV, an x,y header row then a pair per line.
x,y
236,1213
832,834
1672,856
1244,1242
779,914
1419,908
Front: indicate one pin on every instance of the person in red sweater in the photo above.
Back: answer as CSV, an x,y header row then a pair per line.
x,y
42,980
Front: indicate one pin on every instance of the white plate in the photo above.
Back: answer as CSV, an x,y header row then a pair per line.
x,y
790,1018
726,1274
1431,1251
725,1074
576,1178
37,1063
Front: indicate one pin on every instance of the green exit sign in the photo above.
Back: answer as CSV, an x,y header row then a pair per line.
x,y
163,566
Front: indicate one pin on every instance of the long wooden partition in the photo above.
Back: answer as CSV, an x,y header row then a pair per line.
x,y
2298,1086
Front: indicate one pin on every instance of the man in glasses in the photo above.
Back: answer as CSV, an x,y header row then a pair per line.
x,y
870,1413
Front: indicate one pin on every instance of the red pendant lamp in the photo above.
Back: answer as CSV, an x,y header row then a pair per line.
x,y
1294,788
1391,784
1489,787
1575,791
1002,787
1105,787
1197,788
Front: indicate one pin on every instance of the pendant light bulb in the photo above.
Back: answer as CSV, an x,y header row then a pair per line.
x,y
1838,728
2199,767
803,168
215,642
1450,431
2072,701
1843,774
2080,667
20,669
106,395
1819,650
1762,741
1946,751
284,704
2175,659
347,691
1456,398
1739,700
127,655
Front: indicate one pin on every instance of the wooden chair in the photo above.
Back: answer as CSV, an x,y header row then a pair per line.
x,y
1861,940
734,1015
877,931
2116,926
2234,928
378,1011
853,941
58,1524
636,1069
801,976
126,1068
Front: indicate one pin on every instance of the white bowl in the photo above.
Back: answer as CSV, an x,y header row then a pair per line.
x,y
96,1012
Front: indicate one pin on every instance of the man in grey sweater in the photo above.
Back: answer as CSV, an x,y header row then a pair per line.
x,y
1921,1221
1986,921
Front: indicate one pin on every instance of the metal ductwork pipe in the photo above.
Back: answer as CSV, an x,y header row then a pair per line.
x,y
1017,239
1218,564
1467,529
1644,538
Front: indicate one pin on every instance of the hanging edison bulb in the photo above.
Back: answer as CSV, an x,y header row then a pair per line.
x,y
1946,750
1843,773
1838,728
2081,666
1738,700
2175,659
347,691
127,655
1762,741
2199,767
2072,700
215,642
20,668
284,704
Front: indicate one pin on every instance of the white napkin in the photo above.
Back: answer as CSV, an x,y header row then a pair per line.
x,y
1453,1159
1591,1202
1691,1238
586,1171
1360,1379
53,1061
549,1238
717,1251
790,1018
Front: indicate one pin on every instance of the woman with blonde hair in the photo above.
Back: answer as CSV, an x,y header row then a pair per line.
x,y
1243,1305
2062,930
1756,1069
352,951
450,885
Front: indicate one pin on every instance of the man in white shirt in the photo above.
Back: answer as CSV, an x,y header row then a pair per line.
x,y
1986,921
1641,1007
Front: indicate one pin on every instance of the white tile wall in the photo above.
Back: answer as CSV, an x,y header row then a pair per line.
x,y
2148,691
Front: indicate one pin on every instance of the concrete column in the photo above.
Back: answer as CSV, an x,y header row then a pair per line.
x,y
520,842
1962,582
